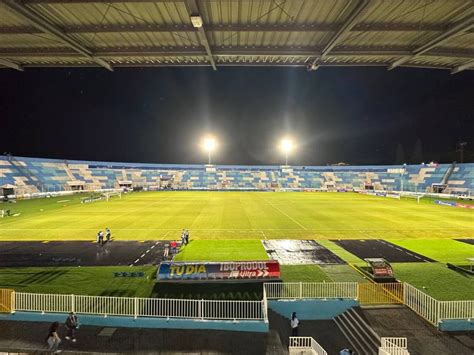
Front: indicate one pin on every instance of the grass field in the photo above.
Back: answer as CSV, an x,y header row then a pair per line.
x,y
235,215
227,226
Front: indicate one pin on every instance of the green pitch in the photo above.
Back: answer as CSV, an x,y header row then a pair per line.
x,y
234,215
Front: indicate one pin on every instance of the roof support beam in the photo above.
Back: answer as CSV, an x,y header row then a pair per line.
x,y
229,51
464,25
11,65
151,27
350,22
45,25
193,11
462,67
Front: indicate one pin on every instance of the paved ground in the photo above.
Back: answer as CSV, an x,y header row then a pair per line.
x,y
423,338
325,332
291,252
14,254
27,336
468,241
377,248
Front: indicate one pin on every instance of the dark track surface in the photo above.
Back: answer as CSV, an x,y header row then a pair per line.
x,y
29,337
468,241
291,252
75,253
377,248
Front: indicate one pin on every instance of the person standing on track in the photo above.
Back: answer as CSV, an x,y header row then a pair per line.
x,y
295,322
72,324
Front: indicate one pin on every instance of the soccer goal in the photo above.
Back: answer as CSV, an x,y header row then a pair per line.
x,y
111,194
417,197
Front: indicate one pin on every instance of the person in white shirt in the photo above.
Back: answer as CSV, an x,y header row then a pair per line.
x,y
294,324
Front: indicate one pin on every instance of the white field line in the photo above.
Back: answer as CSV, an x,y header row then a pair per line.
x,y
285,214
264,235
146,252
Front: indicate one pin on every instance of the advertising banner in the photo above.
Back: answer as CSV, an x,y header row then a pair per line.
x,y
218,271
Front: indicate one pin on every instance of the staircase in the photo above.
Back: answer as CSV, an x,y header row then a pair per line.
x,y
362,337
448,173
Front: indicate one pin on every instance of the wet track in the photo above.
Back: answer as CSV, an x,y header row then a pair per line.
x,y
76,253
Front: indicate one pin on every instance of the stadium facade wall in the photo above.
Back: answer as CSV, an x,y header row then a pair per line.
x,y
30,175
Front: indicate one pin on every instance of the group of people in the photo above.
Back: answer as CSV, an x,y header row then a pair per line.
x,y
101,240
53,339
184,237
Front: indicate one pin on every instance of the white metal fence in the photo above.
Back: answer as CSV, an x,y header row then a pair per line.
x,y
142,307
456,310
424,305
292,290
305,345
421,303
393,346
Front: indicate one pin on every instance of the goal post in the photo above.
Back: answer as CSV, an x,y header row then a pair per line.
x,y
110,194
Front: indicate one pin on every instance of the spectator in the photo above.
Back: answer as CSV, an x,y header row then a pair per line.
x,y
72,324
346,352
53,338
183,237
294,324
173,247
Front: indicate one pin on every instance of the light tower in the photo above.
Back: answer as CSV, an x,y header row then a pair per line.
x,y
209,144
286,146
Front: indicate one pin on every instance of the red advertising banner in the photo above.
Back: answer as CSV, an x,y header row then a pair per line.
x,y
218,271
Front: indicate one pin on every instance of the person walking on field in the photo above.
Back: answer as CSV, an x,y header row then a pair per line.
x,y
72,324
53,338
108,234
294,324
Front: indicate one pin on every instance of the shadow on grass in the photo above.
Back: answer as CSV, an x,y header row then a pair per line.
x,y
215,291
118,293
42,277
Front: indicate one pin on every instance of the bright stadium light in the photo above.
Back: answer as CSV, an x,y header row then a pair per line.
x,y
209,144
286,146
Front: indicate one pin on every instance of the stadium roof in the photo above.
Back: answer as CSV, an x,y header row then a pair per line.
x,y
307,33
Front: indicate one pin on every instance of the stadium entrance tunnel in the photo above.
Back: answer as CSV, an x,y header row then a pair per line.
x,y
293,252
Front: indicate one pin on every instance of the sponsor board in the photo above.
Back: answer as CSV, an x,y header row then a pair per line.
x,y
454,204
218,271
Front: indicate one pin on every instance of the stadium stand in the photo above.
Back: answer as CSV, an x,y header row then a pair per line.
x,y
30,175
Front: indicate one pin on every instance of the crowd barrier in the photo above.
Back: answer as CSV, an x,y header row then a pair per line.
x,y
303,345
142,307
393,346
432,310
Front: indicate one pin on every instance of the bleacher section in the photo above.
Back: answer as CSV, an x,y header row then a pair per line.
x,y
42,175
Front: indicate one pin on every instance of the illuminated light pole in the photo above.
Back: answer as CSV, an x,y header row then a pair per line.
x,y
209,144
286,146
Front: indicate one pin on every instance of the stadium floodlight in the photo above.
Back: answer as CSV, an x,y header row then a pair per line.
x,y
209,144
286,146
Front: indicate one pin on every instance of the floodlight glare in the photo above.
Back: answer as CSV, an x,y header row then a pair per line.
x,y
209,144
286,146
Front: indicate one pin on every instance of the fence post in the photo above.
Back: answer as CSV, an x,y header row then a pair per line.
x,y
201,308
301,290
135,311
73,303
12,302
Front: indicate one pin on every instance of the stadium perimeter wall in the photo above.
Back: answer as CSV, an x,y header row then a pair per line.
x,y
32,175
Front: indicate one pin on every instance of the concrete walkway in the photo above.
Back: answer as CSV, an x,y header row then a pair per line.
x,y
30,337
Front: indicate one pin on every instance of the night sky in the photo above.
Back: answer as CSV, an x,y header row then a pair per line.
x,y
352,115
